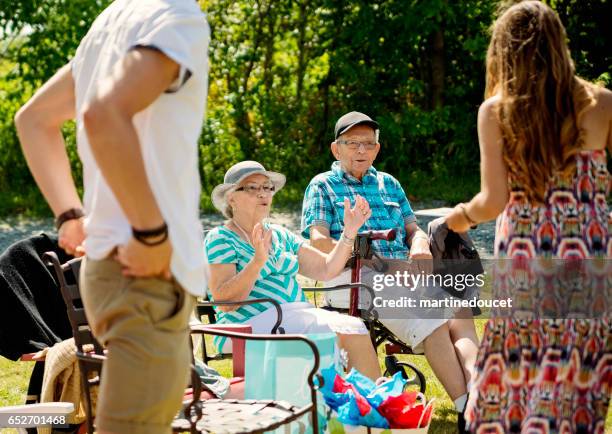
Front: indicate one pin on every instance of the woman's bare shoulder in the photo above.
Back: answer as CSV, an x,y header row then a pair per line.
x,y
491,102
487,114
596,120
604,100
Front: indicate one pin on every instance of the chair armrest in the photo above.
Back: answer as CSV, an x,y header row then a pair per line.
x,y
240,328
43,407
47,408
369,313
29,357
193,411
339,287
279,313
93,358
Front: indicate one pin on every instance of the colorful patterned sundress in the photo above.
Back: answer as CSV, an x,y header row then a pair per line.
x,y
545,375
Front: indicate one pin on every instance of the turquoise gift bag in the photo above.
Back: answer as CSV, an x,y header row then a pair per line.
x,y
279,370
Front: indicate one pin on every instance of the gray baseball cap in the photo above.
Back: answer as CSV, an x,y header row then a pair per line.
x,y
349,120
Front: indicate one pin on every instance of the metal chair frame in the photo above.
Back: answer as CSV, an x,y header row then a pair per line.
x,y
90,356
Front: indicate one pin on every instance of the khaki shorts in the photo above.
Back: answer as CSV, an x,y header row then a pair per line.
x,y
144,325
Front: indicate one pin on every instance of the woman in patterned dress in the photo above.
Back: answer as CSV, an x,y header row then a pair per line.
x,y
250,259
543,135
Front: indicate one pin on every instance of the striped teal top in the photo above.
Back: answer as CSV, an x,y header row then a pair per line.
x,y
277,279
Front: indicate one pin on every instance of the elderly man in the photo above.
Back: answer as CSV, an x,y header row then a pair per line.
x,y
449,345
356,147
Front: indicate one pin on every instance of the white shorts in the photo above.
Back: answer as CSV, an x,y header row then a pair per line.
x,y
412,331
303,317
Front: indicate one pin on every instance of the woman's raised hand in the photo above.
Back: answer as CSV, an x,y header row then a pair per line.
x,y
262,240
355,217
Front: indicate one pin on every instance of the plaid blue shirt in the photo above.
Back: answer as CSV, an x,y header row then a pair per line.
x,y
324,206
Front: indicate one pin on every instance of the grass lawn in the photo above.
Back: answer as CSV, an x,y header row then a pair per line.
x,y
14,377
14,380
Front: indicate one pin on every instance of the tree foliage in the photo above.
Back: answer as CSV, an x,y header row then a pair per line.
x,y
282,72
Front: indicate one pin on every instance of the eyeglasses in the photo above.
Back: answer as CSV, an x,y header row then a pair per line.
x,y
354,145
254,189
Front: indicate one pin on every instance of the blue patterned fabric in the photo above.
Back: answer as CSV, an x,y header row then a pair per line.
x,y
277,279
324,206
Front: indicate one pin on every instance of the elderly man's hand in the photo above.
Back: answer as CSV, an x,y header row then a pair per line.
x,y
421,254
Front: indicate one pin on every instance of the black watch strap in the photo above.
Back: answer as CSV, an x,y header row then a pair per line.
x,y
71,214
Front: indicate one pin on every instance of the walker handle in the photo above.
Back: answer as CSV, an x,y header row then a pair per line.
x,y
387,235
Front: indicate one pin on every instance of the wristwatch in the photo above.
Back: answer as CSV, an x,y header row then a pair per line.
x,y
71,214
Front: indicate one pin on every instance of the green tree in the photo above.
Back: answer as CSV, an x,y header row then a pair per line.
x,y
282,72
38,38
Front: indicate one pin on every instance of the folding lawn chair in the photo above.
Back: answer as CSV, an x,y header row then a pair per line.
x,y
199,414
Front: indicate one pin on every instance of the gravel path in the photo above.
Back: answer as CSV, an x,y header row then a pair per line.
x,y
14,229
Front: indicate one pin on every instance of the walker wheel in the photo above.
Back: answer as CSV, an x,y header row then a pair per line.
x,y
412,375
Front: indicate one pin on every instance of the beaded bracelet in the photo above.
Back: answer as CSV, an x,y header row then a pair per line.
x,y
346,240
144,235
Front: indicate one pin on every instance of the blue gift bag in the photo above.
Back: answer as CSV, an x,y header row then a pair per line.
x,y
279,369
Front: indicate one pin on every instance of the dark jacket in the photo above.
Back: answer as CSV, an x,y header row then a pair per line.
x,y
32,312
452,253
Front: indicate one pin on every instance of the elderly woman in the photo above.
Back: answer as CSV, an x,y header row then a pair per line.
x,y
250,259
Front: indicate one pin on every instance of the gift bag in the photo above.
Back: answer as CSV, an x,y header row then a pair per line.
x,y
334,426
279,370
359,405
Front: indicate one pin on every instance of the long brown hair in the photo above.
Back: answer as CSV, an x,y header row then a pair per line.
x,y
541,100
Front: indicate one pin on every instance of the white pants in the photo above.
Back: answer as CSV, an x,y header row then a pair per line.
x,y
302,317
